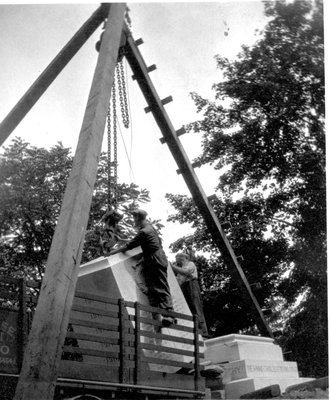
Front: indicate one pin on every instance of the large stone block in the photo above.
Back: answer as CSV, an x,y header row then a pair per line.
x,y
241,369
119,276
233,390
250,363
239,347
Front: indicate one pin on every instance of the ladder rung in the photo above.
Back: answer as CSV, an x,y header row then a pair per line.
x,y
179,132
212,197
196,164
138,42
164,101
149,69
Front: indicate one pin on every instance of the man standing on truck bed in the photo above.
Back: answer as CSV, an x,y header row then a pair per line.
x,y
155,264
187,276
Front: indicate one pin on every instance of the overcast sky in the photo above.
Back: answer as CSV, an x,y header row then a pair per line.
x,y
180,38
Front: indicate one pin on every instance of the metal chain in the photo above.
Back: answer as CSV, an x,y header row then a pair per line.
x,y
109,158
112,166
115,144
122,93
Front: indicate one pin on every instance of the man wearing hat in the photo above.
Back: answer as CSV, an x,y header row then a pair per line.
x,y
155,264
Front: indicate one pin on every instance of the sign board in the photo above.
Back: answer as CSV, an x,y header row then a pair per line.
x,y
8,340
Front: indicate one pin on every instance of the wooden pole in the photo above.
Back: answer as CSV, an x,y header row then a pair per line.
x,y
43,352
41,84
140,72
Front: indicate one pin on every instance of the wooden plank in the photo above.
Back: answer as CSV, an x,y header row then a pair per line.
x,y
75,370
146,307
171,350
94,324
173,363
94,310
95,297
42,83
196,353
123,351
98,353
49,326
174,381
161,117
162,336
22,322
94,338
137,343
151,321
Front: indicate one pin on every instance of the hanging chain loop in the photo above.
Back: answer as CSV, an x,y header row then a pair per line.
x,y
112,195
109,158
115,145
122,93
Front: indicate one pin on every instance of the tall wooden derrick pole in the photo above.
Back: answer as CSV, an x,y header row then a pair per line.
x,y
43,351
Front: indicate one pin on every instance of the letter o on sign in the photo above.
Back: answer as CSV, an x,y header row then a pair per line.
x,y
4,350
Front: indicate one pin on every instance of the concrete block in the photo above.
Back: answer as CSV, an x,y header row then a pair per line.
x,y
259,369
321,383
235,389
239,347
263,393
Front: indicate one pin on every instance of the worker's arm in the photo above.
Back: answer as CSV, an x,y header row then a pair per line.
x,y
188,271
121,249
135,242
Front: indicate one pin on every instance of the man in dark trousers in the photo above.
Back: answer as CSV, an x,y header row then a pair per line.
x,y
155,264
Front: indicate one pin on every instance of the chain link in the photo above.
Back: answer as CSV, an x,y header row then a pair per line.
x,y
115,144
109,158
122,94
112,196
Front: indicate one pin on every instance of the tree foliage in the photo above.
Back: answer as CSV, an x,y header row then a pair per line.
x,y
32,184
265,133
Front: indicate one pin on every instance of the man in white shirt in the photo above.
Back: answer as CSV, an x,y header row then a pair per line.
x,y
187,276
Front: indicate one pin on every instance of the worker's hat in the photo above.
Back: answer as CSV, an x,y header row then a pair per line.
x,y
112,214
142,214
182,254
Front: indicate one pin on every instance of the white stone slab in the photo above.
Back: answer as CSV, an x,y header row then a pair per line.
x,y
117,277
241,369
234,390
238,347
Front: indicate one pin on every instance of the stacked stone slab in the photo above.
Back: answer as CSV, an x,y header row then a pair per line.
x,y
250,363
119,276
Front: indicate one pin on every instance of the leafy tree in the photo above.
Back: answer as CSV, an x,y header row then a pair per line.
x,y
265,134
32,184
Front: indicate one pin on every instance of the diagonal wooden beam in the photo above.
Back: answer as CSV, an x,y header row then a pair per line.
x,y
38,88
140,72
43,352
